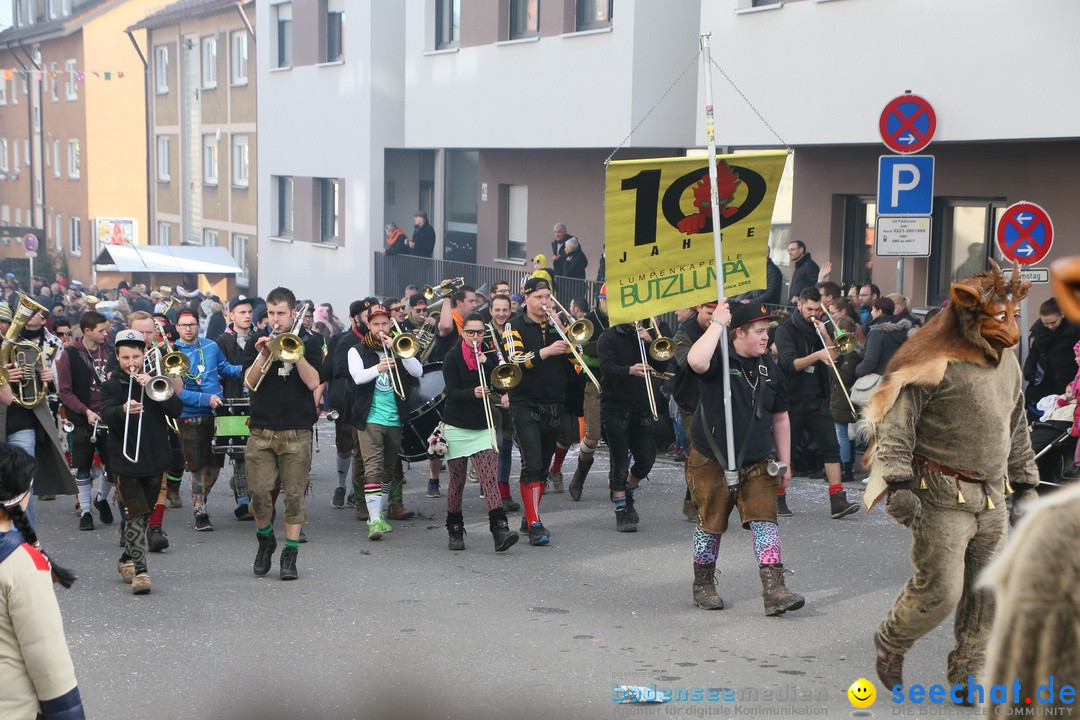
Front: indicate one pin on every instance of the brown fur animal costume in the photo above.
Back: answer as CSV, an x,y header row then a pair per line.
x,y
949,437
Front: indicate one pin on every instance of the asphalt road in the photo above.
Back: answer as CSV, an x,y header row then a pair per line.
x,y
406,628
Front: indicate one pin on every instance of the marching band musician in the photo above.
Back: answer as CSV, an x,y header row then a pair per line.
x,y
599,319
377,410
500,316
138,425
80,372
468,434
536,403
34,429
201,396
278,450
237,344
627,408
335,372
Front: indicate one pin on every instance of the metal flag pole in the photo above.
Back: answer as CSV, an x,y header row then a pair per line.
x,y
731,474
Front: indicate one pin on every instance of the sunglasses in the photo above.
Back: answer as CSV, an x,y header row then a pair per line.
x,y
397,308
64,334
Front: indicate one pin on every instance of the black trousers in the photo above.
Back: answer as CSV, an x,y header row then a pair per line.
x,y
536,429
627,432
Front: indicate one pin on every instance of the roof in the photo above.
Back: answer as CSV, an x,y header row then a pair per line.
x,y
167,259
183,10
60,26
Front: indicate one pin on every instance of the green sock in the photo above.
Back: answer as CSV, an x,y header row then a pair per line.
x,y
266,531
292,543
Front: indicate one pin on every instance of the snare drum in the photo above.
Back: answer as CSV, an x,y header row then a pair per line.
x,y
425,413
231,429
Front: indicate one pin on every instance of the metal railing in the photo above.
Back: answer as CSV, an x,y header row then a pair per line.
x,y
394,272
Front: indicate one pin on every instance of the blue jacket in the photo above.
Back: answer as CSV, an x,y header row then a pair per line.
x,y
202,381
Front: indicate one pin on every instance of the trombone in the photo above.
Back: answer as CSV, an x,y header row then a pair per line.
x,y
159,389
506,375
846,342
489,415
580,331
661,349
286,347
835,370
403,345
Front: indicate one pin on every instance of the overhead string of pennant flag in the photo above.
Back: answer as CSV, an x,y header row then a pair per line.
x,y
79,75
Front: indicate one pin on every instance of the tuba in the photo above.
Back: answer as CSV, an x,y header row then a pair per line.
x,y
25,355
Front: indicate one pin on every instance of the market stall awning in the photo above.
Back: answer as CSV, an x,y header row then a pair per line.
x,y
167,259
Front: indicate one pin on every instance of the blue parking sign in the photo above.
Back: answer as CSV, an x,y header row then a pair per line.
x,y
905,185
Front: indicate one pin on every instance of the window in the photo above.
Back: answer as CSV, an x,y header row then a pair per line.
x,y
284,206
26,152
15,160
56,158
163,158
284,34
335,31
210,238
330,210
15,88
524,18
240,176
53,83
238,42
71,92
517,216
161,69
58,237
164,233
594,14
75,236
5,215
5,163
240,255
73,159
3,91
963,236
447,23
18,216
210,160
209,63
45,153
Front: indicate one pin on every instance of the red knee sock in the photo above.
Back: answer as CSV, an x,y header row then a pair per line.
x,y
531,503
560,454
833,489
157,516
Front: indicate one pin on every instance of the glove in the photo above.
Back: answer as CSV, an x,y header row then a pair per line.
x,y
903,506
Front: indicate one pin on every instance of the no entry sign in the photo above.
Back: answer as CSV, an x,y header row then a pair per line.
x,y
907,124
1025,233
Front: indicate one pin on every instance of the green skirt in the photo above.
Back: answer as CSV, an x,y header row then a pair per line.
x,y
462,442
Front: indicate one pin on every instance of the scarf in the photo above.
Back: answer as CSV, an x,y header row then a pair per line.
x,y
469,355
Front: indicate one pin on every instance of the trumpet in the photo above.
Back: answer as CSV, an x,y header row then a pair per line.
x,y
489,416
506,375
443,289
846,342
159,389
286,347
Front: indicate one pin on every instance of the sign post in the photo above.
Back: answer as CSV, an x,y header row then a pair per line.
x,y
1025,234
30,242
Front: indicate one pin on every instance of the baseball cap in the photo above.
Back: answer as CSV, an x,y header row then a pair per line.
x,y
536,283
377,310
744,314
417,299
240,300
130,337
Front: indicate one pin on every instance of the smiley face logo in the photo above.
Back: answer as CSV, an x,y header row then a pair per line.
x,y
862,693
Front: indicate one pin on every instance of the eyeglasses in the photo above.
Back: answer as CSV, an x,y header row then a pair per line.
x,y
397,308
188,325
419,309
473,332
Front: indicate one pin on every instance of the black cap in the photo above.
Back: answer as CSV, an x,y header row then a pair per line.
x,y
240,300
746,313
536,283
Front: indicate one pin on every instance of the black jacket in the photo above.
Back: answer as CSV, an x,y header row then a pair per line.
x,y
804,275
573,265
463,409
364,394
685,387
886,336
797,338
543,381
618,348
423,240
155,450
771,295
1051,363
230,348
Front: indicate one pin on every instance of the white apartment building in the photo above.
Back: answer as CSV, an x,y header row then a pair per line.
x,y
496,117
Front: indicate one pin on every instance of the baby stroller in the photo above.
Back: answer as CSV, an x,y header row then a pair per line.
x,y
1054,448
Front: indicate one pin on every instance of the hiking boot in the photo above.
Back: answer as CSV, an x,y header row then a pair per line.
x,y
140,584
156,539
362,512
556,481
86,522
105,512
509,505
287,564
577,484
502,534
397,511
778,599
339,498
889,665
265,554
374,533
172,495
781,506
847,472
623,522
243,512
457,536
126,568
705,596
202,520
631,513
538,534
689,509
840,506
433,489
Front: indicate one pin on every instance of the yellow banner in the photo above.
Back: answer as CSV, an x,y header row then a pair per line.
x,y
659,239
